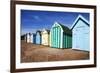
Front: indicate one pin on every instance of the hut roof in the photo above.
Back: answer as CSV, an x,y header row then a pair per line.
x,y
48,31
38,31
65,29
34,33
80,17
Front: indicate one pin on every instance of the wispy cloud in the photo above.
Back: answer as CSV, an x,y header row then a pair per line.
x,y
37,18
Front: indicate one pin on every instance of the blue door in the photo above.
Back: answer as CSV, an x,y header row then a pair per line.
x,y
38,39
34,38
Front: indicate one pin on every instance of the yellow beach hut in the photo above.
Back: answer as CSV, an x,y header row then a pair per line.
x,y
45,37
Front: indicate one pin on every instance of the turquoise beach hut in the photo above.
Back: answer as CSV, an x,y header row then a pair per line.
x,y
60,36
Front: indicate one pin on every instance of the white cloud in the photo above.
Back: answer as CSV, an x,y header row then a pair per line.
x,y
37,18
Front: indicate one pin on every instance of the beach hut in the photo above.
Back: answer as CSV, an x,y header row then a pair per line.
x,y
81,34
23,37
45,37
29,38
38,37
34,38
60,36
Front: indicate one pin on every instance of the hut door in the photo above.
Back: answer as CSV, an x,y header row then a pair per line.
x,y
86,39
79,38
38,39
56,37
80,41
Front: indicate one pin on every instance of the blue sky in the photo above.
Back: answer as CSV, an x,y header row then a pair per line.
x,y
32,20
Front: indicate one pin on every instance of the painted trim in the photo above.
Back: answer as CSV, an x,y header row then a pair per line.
x,y
80,17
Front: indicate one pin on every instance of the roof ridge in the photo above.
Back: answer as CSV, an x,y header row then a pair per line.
x,y
65,28
62,25
79,17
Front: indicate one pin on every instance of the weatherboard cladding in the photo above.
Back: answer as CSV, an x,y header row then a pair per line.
x,y
81,34
67,41
60,36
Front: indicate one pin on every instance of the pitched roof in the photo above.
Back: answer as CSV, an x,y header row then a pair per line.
x,y
38,31
48,31
34,34
65,29
28,33
80,17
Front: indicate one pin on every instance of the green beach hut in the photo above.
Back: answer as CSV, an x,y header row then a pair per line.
x,y
60,36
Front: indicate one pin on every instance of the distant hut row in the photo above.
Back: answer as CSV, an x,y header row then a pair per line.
x,y
40,37
61,36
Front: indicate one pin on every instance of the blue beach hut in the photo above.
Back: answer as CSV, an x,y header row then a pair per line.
x,y
81,34
38,37
34,38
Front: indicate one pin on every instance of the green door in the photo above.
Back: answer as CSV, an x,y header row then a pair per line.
x,y
56,37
